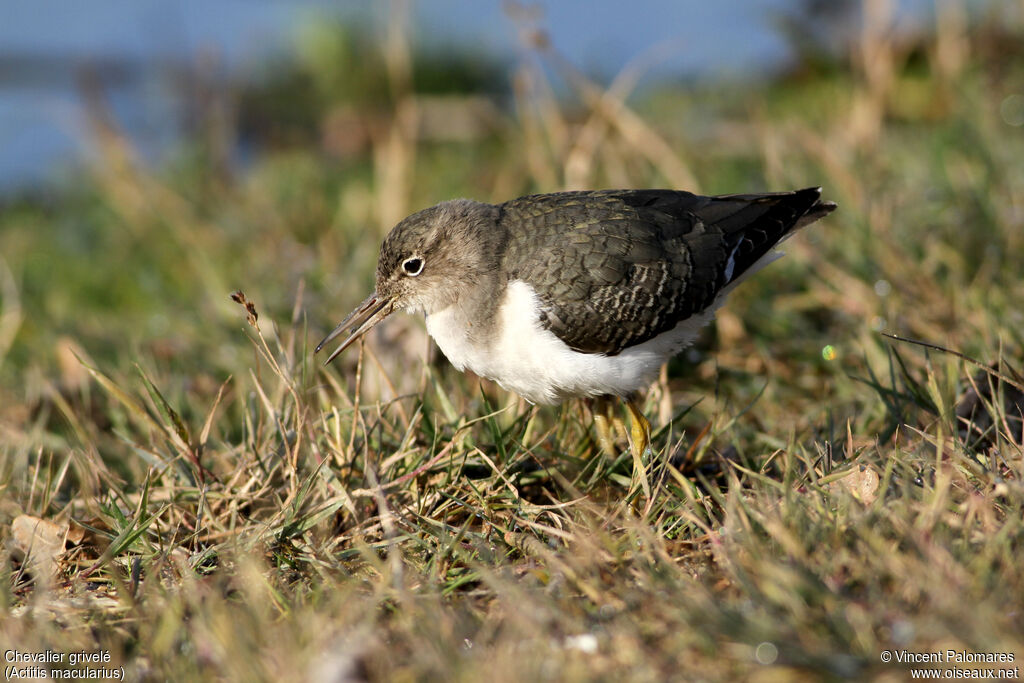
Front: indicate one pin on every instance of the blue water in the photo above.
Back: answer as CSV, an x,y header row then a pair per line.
x,y
45,43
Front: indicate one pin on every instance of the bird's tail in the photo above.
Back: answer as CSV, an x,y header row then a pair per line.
x,y
818,210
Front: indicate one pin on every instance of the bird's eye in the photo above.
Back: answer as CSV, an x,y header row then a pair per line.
x,y
413,266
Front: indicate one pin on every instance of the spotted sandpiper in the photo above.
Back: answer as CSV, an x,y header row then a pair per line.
x,y
576,294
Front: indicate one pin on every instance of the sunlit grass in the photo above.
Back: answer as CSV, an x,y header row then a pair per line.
x,y
820,492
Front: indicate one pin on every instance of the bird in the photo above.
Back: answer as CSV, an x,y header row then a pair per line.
x,y
579,293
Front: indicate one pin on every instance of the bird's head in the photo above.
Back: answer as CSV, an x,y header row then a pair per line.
x,y
426,263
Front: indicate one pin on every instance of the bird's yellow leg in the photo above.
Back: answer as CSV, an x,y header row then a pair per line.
x,y
603,418
639,429
640,443
616,417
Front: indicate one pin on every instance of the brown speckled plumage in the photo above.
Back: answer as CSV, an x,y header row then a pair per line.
x,y
574,293
615,268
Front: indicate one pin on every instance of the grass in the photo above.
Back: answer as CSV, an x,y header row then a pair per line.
x,y
185,488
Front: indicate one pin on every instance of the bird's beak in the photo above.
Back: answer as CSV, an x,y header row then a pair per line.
x,y
374,309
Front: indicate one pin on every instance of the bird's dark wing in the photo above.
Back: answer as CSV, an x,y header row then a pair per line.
x,y
614,268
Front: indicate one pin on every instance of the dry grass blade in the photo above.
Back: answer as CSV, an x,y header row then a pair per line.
x,y
135,409
816,493
178,431
11,317
205,433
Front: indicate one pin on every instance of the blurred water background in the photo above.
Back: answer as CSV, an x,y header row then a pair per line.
x,y
158,66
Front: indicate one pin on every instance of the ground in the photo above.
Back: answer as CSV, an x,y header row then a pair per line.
x,y
188,492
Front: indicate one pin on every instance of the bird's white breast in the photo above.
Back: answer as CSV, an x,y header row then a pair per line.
x,y
531,361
